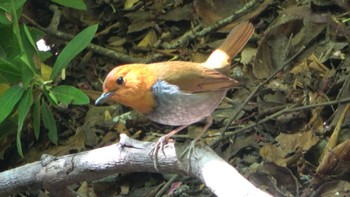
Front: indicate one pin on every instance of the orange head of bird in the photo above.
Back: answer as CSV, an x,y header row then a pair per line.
x,y
130,85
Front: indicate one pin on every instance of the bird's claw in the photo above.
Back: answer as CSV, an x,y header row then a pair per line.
x,y
155,149
189,150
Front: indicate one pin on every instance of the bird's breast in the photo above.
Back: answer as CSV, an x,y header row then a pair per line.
x,y
175,107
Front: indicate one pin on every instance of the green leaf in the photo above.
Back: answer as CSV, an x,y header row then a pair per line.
x,y
8,100
70,95
2,51
44,55
27,75
73,48
26,61
4,21
9,72
9,5
29,37
36,118
50,95
36,34
49,122
23,109
9,43
77,4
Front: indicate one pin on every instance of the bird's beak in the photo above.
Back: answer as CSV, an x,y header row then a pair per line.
x,y
103,98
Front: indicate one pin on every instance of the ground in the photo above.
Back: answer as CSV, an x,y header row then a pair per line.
x,y
286,124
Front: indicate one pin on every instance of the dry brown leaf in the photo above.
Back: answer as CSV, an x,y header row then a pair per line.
x,y
238,143
109,138
273,153
140,20
83,189
280,181
313,66
116,41
178,14
248,54
213,10
130,3
333,140
336,161
309,71
316,122
287,35
288,144
292,142
332,189
76,143
273,49
149,39
121,128
90,135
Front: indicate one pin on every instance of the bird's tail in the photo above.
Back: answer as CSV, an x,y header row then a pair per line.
x,y
232,45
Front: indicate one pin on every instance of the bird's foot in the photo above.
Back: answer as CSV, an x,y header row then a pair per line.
x,y
161,143
155,149
189,150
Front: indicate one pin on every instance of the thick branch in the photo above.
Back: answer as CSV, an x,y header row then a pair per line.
x,y
56,173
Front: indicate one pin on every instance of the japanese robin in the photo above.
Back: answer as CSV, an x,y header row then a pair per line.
x,y
177,93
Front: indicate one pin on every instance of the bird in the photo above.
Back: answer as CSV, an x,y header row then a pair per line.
x,y
177,93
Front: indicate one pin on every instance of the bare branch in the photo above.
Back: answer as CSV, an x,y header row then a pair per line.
x,y
56,173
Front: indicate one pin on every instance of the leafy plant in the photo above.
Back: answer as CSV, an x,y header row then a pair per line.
x,y
26,88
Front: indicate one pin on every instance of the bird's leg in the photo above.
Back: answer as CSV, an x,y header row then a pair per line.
x,y
190,149
160,144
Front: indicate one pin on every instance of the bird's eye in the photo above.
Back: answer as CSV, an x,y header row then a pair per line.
x,y
120,81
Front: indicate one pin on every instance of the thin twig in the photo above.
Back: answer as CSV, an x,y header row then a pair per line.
x,y
345,84
288,109
196,32
93,47
166,186
233,118
191,35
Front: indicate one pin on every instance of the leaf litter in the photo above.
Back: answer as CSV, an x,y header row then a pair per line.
x,y
294,153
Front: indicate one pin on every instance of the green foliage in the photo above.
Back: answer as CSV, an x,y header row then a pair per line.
x,y
70,95
8,101
23,109
25,92
72,49
49,122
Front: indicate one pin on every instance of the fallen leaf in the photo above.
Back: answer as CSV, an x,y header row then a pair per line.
x,y
333,140
178,14
149,39
130,3
289,147
248,54
335,163
280,181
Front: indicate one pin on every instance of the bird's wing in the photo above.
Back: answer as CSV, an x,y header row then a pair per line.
x,y
193,77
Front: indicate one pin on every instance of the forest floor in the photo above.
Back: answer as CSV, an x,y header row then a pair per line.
x,y
286,125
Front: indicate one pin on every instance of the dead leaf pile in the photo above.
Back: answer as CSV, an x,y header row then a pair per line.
x,y
292,136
